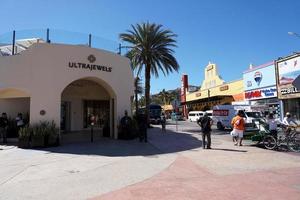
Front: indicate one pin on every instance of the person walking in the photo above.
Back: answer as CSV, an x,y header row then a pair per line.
x,y
238,124
3,127
163,123
205,123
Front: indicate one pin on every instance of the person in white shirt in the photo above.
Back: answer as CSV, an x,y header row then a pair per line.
x,y
273,124
288,120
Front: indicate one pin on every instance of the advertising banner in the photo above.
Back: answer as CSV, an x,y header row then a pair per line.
x,y
288,77
263,93
184,86
260,78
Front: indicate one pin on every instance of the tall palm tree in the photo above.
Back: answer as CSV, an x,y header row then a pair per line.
x,y
151,47
138,89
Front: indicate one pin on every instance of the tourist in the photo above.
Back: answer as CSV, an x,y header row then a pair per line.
x,y
238,125
206,122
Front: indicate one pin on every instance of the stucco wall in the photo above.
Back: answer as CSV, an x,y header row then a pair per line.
x,y
43,72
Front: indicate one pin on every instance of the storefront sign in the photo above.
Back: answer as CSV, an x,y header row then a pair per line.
x,y
223,88
260,78
288,75
261,93
89,66
198,94
220,112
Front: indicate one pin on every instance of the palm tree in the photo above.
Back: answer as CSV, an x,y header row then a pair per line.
x,y
151,48
138,89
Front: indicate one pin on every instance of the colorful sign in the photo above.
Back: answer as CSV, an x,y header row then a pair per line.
x,y
260,78
288,75
184,86
261,93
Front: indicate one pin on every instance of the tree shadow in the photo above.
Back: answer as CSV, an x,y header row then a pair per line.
x,y
158,143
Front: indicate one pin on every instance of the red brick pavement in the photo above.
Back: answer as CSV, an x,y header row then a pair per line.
x,y
185,180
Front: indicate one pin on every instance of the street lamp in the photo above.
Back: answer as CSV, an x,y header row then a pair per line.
x,y
295,34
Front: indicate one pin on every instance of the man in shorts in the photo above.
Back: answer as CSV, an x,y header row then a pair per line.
x,y
238,125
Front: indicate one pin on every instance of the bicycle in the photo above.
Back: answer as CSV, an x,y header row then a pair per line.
x,y
290,137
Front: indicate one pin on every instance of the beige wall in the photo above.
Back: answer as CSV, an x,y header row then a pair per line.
x,y
43,72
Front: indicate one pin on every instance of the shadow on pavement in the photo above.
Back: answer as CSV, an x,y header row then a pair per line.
x,y
158,143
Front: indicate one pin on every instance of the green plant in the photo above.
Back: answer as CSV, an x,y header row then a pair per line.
x,y
45,133
25,132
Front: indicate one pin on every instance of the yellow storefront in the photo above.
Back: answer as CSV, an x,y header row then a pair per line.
x,y
214,91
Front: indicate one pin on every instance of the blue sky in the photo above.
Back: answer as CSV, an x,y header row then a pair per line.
x,y
231,33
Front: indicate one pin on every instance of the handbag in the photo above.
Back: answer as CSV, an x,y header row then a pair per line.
x,y
233,133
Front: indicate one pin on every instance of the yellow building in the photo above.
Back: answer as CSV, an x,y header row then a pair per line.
x,y
214,91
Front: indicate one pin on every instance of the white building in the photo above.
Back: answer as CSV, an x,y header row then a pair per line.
x,y
67,84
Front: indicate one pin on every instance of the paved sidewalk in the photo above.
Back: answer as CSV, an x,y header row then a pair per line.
x,y
172,165
225,172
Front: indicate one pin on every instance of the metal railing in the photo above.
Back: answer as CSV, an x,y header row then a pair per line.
x,y
14,42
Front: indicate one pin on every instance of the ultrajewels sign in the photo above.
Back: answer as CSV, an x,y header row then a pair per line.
x,y
91,67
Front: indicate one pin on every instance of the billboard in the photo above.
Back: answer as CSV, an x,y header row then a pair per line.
x,y
260,78
288,77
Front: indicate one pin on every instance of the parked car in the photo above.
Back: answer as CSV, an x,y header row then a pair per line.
x,y
176,116
194,116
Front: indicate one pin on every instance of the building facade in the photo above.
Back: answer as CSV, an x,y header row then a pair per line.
x,y
67,84
288,83
214,91
260,89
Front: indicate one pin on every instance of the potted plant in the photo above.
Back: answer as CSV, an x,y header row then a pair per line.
x,y
53,136
24,137
38,136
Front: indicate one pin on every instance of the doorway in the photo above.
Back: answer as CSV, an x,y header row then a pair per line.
x,y
65,116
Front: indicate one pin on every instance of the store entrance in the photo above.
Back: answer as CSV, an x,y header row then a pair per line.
x,y
65,117
99,109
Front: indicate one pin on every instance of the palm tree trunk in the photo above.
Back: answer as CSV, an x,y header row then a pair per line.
x,y
147,90
136,101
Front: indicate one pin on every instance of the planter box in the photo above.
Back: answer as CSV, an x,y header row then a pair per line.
x,y
37,141
24,142
53,141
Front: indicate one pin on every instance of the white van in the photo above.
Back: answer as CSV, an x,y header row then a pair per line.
x,y
194,116
223,114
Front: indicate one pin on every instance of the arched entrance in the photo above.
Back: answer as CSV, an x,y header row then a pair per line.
x,y
82,99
